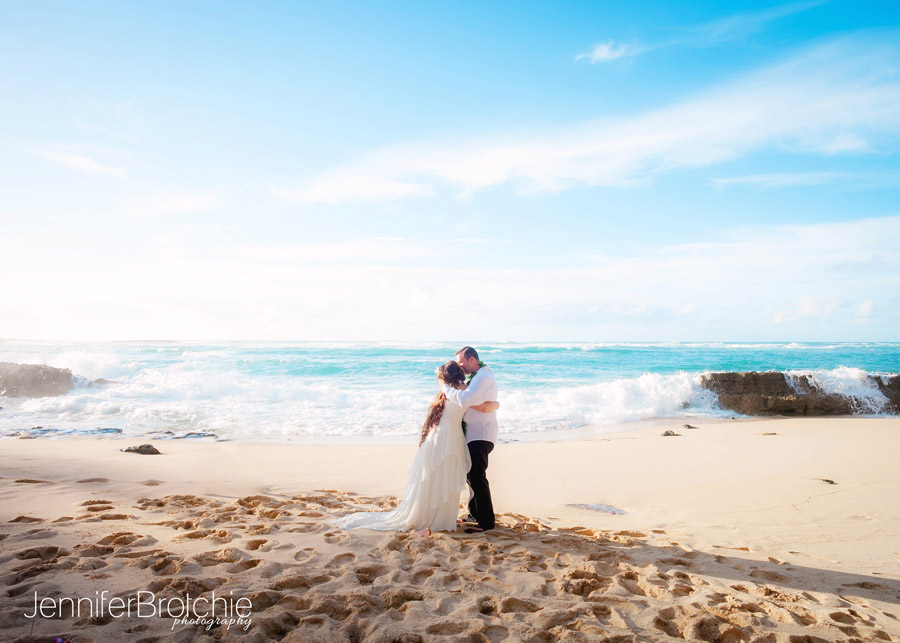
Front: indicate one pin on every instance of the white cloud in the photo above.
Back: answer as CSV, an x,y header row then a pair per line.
x,y
735,27
343,188
863,179
741,25
79,162
606,51
807,307
781,179
355,252
763,283
864,312
167,203
838,96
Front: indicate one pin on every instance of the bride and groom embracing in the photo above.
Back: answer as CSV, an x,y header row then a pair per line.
x,y
459,432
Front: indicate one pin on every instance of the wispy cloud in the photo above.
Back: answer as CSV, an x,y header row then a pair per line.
x,y
167,203
368,251
781,179
76,161
859,180
864,312
816,102
729,29
342,187
740,25
807,307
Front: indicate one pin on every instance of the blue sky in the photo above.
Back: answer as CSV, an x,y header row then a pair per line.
x,y
450,171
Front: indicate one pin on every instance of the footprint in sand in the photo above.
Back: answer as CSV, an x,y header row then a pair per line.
x,y
45,553
303,528
305,555
421,575
127,539
366,575
90,564
513,604
243,566
13,592
582,582
397,597
665,622
90,480
447,628
452,582
220,556
341,560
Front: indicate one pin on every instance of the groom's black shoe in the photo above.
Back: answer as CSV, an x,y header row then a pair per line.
x,y
469,518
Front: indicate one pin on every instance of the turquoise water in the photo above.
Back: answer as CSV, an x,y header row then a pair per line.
x,y
287,390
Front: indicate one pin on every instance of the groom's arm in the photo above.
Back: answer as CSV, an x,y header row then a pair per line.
x,y
476,394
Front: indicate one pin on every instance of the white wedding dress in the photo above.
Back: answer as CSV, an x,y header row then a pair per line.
x,y
436,482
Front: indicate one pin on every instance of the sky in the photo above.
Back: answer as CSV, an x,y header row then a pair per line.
x,y
408,171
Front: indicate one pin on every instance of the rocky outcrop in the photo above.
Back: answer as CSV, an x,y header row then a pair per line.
x,y
775,393
33,380
890,387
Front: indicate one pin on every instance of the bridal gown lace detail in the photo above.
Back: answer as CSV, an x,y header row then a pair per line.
x,y
436,481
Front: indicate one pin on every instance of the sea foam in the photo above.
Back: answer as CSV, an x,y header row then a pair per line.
x,y
269,391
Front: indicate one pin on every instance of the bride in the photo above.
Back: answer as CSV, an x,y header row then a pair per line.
x,y
438,473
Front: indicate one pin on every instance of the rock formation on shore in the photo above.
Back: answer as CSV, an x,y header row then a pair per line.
x,y
777,393
33,380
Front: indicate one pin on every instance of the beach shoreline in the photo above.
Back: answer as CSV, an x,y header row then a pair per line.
x,y
814,495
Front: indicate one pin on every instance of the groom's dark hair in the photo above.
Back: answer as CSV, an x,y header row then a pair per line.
x,y
467,352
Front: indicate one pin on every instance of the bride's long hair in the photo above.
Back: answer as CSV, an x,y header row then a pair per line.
x,y
451,373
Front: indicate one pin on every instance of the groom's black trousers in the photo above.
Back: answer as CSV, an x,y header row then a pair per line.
x,y
480,506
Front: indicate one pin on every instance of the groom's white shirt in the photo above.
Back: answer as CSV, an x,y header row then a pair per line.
x,y
482,388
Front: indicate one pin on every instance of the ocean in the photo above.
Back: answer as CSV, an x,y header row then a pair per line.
x,y
302,391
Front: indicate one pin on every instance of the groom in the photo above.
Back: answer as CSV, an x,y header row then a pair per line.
x,y
481,432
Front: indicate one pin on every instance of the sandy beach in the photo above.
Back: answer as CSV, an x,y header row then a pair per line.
x,y
759,530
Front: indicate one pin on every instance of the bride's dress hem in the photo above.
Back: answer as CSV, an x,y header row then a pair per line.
x,y
437,479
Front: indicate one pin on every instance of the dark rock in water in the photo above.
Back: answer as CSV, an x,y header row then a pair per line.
x,y
34,380
144,449
669,433
195,434
772,394
890,387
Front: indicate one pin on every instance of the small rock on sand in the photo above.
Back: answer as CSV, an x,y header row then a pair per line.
x,y
143,449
